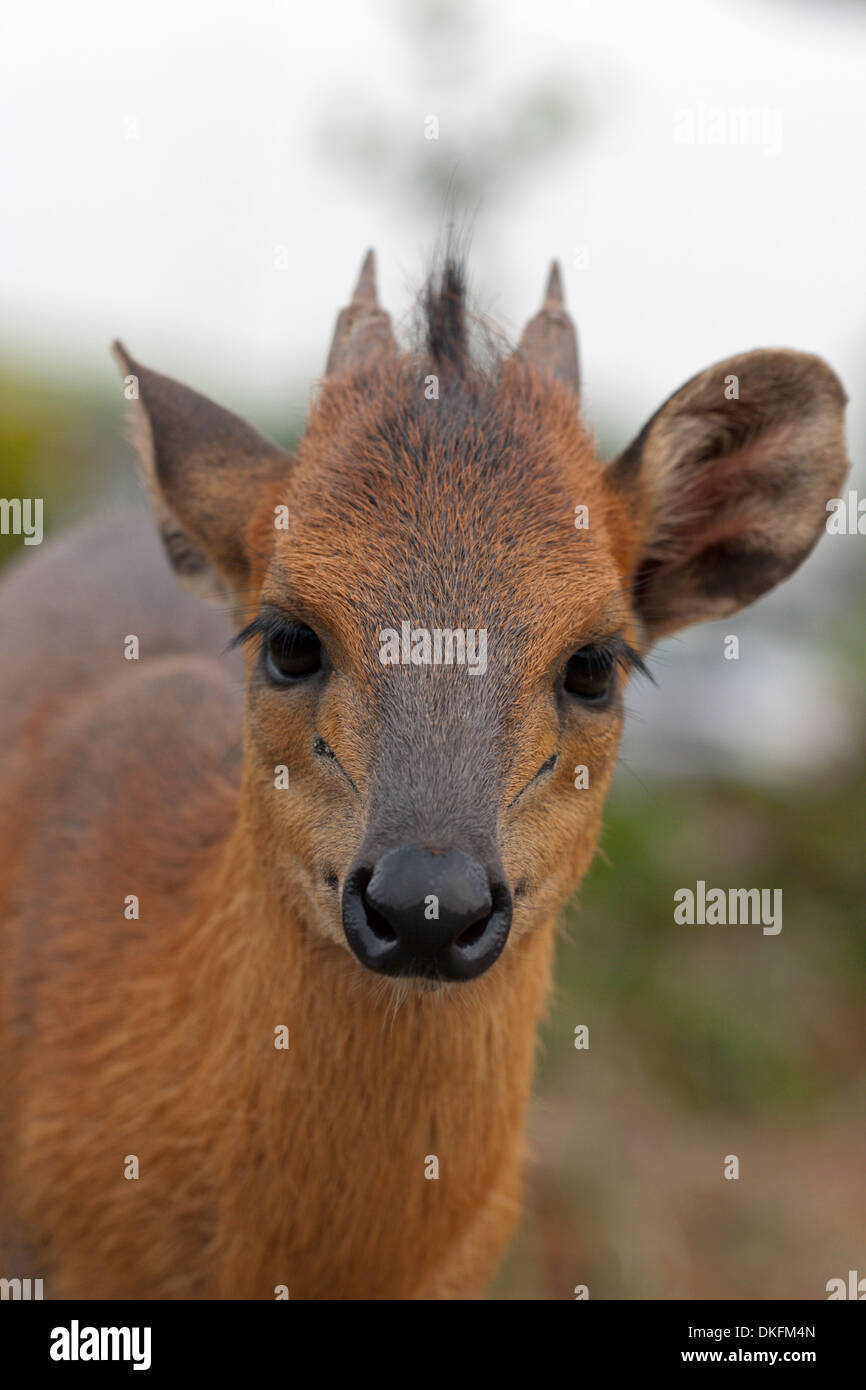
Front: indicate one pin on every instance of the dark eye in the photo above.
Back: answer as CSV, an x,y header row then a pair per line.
x,y
589,674
291,654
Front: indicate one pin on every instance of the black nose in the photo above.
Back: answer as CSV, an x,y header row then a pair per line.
x,y
417,913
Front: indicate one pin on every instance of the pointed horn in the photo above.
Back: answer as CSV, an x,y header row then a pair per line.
x,y
549,340
365,290
363,329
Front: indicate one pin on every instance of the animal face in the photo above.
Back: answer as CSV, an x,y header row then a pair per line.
x,y
444,594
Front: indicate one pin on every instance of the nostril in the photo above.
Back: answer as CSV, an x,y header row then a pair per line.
x,y
379,925
499,913
425,913
381,929
474,933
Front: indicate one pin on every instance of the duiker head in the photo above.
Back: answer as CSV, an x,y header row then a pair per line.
x,y
444,592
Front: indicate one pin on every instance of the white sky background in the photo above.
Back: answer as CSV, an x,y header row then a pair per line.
x,y
694,251
168,240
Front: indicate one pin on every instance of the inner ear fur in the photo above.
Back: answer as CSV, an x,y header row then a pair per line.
x,y
208,473
728,483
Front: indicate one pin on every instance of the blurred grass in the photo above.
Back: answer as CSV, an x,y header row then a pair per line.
x,y
682,985
706,1041
58,441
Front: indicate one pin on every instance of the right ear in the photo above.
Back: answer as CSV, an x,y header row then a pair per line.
x,y
208,474
728,483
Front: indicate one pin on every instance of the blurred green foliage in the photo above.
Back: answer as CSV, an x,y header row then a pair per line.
x,y
59,441
728,1018
705,1041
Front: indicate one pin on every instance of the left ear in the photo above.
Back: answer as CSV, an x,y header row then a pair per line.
x,y
728,483
209,475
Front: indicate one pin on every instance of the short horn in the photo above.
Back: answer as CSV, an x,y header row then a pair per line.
x,y
363,329
549,340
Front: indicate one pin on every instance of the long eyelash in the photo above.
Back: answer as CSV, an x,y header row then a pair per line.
x,y
628,659
264,627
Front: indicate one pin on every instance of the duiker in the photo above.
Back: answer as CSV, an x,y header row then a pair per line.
x,y
276,944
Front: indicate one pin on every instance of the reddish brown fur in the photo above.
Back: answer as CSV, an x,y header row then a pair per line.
x,y
305,1167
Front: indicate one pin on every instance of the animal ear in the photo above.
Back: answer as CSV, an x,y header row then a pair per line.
x,y
206,471
728,483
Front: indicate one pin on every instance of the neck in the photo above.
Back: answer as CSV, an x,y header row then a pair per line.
x,y
341,1131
